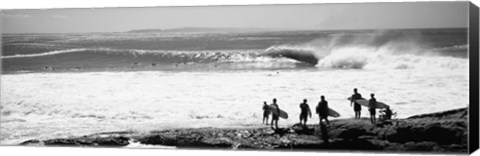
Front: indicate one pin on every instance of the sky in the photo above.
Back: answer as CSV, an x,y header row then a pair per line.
x,y
296,17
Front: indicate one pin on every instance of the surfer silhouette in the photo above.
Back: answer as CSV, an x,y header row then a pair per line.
x,y
372,104
266,112
357,108
322,109
304,112
275,116
387,114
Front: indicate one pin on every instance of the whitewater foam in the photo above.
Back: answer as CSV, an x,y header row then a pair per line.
x,y
45,53
370,52
53,104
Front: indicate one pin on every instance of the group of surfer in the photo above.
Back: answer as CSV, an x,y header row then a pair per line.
x,y
322,110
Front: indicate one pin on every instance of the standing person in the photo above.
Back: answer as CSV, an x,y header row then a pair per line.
x,y
372,104
304,112
357,108
275,116
266,112
322,109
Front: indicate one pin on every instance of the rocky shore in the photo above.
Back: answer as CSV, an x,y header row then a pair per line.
x,y
436,132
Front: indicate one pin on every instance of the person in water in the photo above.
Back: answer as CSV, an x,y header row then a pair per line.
x,y
304,112
372,104
266,112
357,108
322,109
275,116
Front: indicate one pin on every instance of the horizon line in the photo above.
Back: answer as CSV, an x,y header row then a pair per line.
x,y
266,29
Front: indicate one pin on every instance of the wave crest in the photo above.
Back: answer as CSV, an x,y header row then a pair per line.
x,y
108,55
368,52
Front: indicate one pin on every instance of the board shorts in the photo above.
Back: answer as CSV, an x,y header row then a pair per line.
x,y
323,115
266,114
275,117
304,116
372,111
357,107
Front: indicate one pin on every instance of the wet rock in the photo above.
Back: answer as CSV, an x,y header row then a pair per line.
x,y
455,113
219,142
302,129
436,132
420,146
351,134
167,140
88,141
440,133
33,142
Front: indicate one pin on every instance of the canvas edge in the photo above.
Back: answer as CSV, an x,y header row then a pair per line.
x,y
473,39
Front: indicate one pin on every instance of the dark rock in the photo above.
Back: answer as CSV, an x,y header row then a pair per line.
x,y
440,133
302,129
420,146
62,142
116,141
218,142
456,113
167,140
281,131
86,141
351,134
32,142
358,144
435,132
456,147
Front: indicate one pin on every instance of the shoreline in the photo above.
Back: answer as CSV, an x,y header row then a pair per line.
x,y
444,131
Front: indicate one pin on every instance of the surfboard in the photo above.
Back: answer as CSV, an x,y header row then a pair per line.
x,y
364,102
333,113
273,109
350,98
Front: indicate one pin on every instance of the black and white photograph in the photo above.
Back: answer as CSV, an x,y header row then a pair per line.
x,y
373,77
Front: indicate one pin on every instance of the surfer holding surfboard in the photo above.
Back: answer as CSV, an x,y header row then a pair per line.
x,y
372,105
357,108
322,109
266,112
275,113
305,112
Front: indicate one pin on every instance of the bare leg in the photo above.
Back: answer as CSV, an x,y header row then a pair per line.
x,y
271,124
276,124
373,119
324,131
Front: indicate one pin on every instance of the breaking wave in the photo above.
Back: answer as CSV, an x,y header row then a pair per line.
x,y
108,56
46,53
371,52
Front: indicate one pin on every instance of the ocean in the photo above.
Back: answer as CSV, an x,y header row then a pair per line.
x,y
61,85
